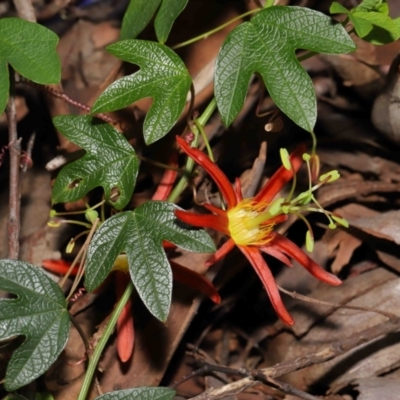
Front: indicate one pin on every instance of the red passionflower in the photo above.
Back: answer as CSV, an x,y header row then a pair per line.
x,y
250,225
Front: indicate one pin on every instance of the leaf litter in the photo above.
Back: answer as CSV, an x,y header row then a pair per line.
x,y
242,331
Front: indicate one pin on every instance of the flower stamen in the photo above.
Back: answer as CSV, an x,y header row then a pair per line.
x,y
248,223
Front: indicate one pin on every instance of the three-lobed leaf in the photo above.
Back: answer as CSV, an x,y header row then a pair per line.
x,y
167,14
110,161
162,76
39,313
266,44
140,12
31,50
140,234
143,393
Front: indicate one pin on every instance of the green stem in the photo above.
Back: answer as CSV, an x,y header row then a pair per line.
x,y
202,120
212,31
94,359
205,139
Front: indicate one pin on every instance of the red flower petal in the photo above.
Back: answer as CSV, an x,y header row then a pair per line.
x,y
264,273
195,281
217,222
220,253
238,190
272,251
214,209
166,184
292,250
216,174
125,327
60,267
281,177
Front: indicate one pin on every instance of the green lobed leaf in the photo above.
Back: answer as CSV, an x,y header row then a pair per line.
x,y
4,85
39,313
267,45
162,76
31,50
140,12
374,27
361,25
337,8
167,14
110,161
137,16
373,5
140,234
143,393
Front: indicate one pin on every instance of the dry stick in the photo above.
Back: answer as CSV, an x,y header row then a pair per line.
x,y
15,156
25,11
336,349
287,388
307,299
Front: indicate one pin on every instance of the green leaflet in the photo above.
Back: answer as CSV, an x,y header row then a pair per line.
x,y
39,313
31,50
371,21
143,393
140,234
162,76
267,45
110,161
140,12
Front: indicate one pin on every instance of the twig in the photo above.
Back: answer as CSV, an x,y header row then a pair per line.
x,y
307,299
286,387
336,349
207,369
15,155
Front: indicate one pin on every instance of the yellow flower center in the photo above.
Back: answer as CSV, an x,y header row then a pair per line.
x,y
244,228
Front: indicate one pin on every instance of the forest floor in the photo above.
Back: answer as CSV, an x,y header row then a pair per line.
x,y
217,351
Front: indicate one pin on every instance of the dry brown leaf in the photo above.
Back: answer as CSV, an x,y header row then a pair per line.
x,y
389,259
364,163
381,388
341,246
364,79
378,289
348,189
386,109
384,225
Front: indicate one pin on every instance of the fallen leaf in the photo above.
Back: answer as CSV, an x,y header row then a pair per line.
x,y
341,245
